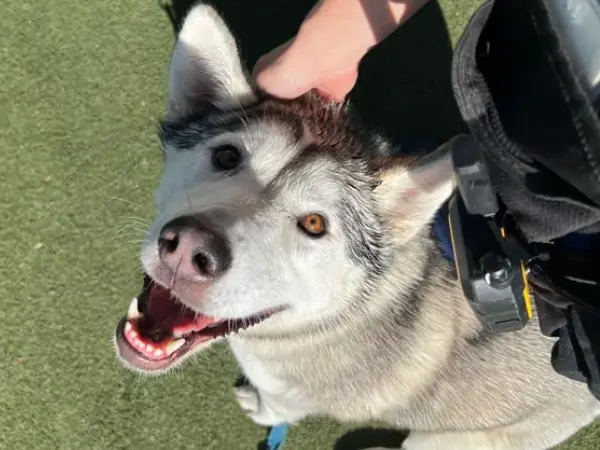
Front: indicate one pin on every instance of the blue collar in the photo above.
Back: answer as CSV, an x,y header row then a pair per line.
x,y
441,231
576,242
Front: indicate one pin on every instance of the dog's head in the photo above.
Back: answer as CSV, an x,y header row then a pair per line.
x,y
268,211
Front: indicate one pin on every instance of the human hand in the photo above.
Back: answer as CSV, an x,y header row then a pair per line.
x,y
329,46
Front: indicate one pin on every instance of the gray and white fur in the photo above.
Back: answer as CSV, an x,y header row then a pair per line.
x,y
373,326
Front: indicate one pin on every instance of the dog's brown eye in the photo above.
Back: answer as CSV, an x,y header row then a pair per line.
x,y
313,224
226,157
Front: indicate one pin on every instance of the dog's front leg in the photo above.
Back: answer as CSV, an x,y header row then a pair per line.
x,y
267,409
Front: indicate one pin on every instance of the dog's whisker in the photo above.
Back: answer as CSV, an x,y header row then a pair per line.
x,y
189,199
136,242
132,235
126,201
137,225
133,227
136,218
144,219
139,222
245,121
143,232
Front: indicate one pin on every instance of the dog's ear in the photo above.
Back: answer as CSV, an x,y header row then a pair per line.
x,y
205,69
410,193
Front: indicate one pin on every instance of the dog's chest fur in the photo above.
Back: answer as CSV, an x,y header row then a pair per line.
x,y
423,364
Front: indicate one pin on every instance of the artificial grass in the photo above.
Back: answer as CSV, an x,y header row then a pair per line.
x,y
82,85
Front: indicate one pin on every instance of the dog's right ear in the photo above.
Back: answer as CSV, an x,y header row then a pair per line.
x,y
411,192
205,70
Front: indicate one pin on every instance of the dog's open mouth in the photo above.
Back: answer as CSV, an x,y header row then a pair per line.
x,y
159,330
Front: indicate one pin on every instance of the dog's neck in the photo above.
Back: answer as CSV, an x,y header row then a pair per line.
x,y
413,263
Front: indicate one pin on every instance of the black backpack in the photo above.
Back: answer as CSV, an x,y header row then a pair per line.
x,y
526,77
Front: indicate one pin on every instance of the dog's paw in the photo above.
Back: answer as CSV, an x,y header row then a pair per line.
x,y
247,397
258,408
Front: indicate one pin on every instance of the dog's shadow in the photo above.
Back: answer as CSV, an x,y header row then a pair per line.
x,y
404,90
363,438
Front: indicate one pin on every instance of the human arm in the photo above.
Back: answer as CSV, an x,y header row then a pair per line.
x,y
325,53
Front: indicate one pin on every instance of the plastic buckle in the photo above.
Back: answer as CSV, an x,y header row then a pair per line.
x,y
472,177
492,278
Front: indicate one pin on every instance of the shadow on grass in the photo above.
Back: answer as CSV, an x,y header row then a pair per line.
x,y
363,438
403,90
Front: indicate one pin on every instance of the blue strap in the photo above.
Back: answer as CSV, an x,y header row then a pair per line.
x,y
276,436
441,229
576,242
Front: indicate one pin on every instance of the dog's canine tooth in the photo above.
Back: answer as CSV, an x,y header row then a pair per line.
x,y
133,312
180,334
174,345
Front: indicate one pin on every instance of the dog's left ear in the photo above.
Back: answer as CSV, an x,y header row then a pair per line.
x,y
410,194
205,69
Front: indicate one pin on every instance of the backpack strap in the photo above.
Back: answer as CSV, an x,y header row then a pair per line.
x,y
519,84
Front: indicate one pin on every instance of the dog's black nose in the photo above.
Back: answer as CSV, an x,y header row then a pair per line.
x,y
190,247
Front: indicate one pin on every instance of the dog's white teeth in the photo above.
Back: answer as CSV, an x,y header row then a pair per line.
x,y
173,346
180,334
133,312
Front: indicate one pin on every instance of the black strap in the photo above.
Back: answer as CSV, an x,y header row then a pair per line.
x,y
516,90
576,354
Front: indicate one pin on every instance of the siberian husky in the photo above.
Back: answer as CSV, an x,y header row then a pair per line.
x,y
287,229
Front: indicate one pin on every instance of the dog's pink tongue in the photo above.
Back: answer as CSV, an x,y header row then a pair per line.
x,y
198,324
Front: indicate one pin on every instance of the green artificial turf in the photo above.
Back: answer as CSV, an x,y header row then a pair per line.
x,y
82,85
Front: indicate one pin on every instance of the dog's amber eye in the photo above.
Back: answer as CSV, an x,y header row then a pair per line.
x,y
313,224
226,157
